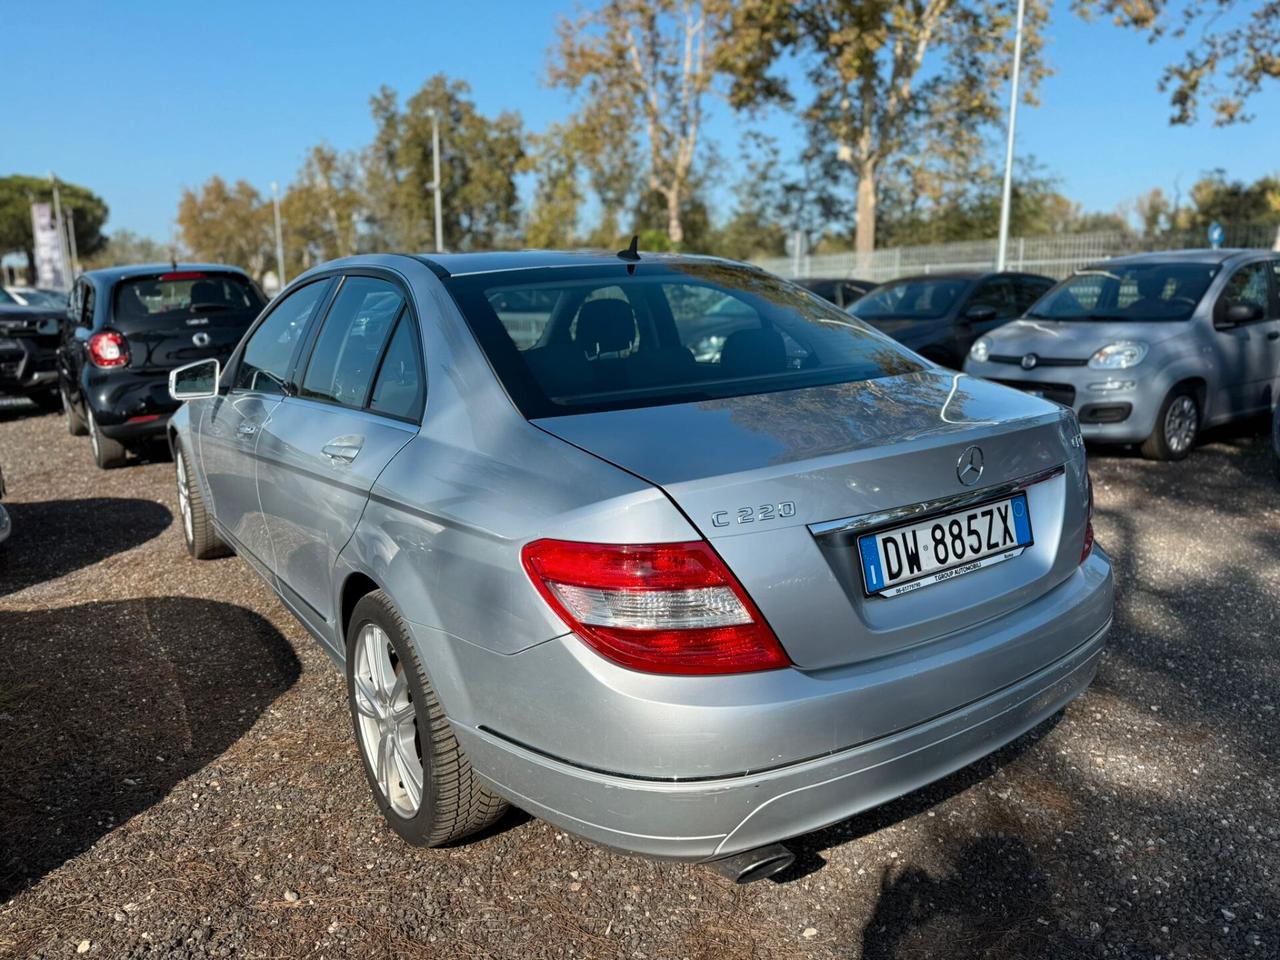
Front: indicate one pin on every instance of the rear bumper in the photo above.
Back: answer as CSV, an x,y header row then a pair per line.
x,y
128,405
710,819
643,764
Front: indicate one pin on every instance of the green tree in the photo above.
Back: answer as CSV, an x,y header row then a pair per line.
x,y
480,157
873,93
1234,202
124,247
1238,42
651,62
763,211
557,194
17,193
228,224
321,210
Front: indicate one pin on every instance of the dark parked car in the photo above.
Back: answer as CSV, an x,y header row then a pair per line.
x,y
939,315
28,351
840,291
5,526
1275,437
126,328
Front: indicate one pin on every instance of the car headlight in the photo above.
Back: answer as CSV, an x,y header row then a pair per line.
x,y
980,350
1120,355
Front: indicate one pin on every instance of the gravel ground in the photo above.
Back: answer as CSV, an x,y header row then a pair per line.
x,y
178,777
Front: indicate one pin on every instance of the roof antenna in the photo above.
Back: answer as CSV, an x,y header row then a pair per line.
x,y
631,255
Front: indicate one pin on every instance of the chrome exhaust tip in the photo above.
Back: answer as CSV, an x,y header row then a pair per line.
x,y
752,865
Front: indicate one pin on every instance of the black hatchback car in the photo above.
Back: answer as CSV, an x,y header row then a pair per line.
x,y
939,315
126,328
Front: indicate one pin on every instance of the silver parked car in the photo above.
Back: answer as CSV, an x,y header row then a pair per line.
x,y
1149,349
686,606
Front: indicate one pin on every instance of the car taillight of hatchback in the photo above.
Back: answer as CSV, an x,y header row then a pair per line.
x,y
108,349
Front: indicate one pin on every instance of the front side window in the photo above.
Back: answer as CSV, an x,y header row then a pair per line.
x,y
911,300
1135,291
1248,287
659,333
346,354
998,295
268,356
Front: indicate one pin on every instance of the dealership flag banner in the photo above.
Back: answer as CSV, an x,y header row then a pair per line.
x,y
50,268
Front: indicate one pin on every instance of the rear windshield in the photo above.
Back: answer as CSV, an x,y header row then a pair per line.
x,y
185,294
911,299
1139,291
575,340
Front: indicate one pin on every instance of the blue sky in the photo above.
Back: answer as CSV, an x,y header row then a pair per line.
x,y
137,100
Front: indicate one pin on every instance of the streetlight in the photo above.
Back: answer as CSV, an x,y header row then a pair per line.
x,y
1006,194
434,185
275,202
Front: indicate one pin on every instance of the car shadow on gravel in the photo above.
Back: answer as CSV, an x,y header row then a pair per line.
x,y
107,706
51,538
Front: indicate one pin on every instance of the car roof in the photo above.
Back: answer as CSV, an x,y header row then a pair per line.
x,y
1199,255
462,264
112,274
964,275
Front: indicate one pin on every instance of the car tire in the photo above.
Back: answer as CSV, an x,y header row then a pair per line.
x,y
75,420
49,401
107,453
1177,425
203,542
424,784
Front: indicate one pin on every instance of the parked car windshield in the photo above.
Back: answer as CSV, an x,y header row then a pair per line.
x,y
184,294
1137,291
575,340
910,299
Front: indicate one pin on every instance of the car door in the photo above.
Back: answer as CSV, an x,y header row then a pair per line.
x,y
227,434
321,450
1247,352
76,329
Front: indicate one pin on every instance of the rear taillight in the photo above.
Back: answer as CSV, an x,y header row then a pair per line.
x,y
108,349
660,608
1087,548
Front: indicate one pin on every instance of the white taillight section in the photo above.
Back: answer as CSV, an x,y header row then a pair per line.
x,y
661,608
653,609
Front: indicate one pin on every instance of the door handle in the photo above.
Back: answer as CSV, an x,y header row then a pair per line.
x,y
343,449
247,429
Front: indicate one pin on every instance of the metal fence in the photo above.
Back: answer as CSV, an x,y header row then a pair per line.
x,y
1055,255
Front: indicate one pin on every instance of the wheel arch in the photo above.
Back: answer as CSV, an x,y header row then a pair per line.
x,y
355,587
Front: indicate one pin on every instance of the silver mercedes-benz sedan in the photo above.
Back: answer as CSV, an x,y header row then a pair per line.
x,y
662,549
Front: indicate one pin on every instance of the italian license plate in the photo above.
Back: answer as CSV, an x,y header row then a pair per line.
x,y
920,554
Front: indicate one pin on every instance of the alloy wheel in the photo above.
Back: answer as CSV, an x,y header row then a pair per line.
x,y
184,500
1180,422
388,721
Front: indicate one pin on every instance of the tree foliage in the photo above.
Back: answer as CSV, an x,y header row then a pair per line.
x,y
17,193
224,223
322,209
479,161
1231,50
649,63
553,217
882,72
124,247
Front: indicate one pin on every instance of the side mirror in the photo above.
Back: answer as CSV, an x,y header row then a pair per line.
x,y
1238,313
195,381
980,313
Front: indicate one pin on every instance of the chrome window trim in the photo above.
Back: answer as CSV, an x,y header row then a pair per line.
x,y
869,521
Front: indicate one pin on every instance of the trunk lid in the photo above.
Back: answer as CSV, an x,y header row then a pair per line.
x,y
764,477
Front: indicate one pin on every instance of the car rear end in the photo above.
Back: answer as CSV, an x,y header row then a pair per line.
x,y
157,322
890,572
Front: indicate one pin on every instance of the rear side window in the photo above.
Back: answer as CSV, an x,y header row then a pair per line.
x,y
182,294
397,391
346,354
658,333
268,356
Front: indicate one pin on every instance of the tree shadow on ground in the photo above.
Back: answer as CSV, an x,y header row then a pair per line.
x,y
107,706
51,538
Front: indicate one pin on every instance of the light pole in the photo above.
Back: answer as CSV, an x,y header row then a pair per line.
x,y
434,186
275,202
1007,192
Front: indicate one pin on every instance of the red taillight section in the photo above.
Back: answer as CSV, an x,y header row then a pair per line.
x,y
108,349
1087,548
182,275
661,608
